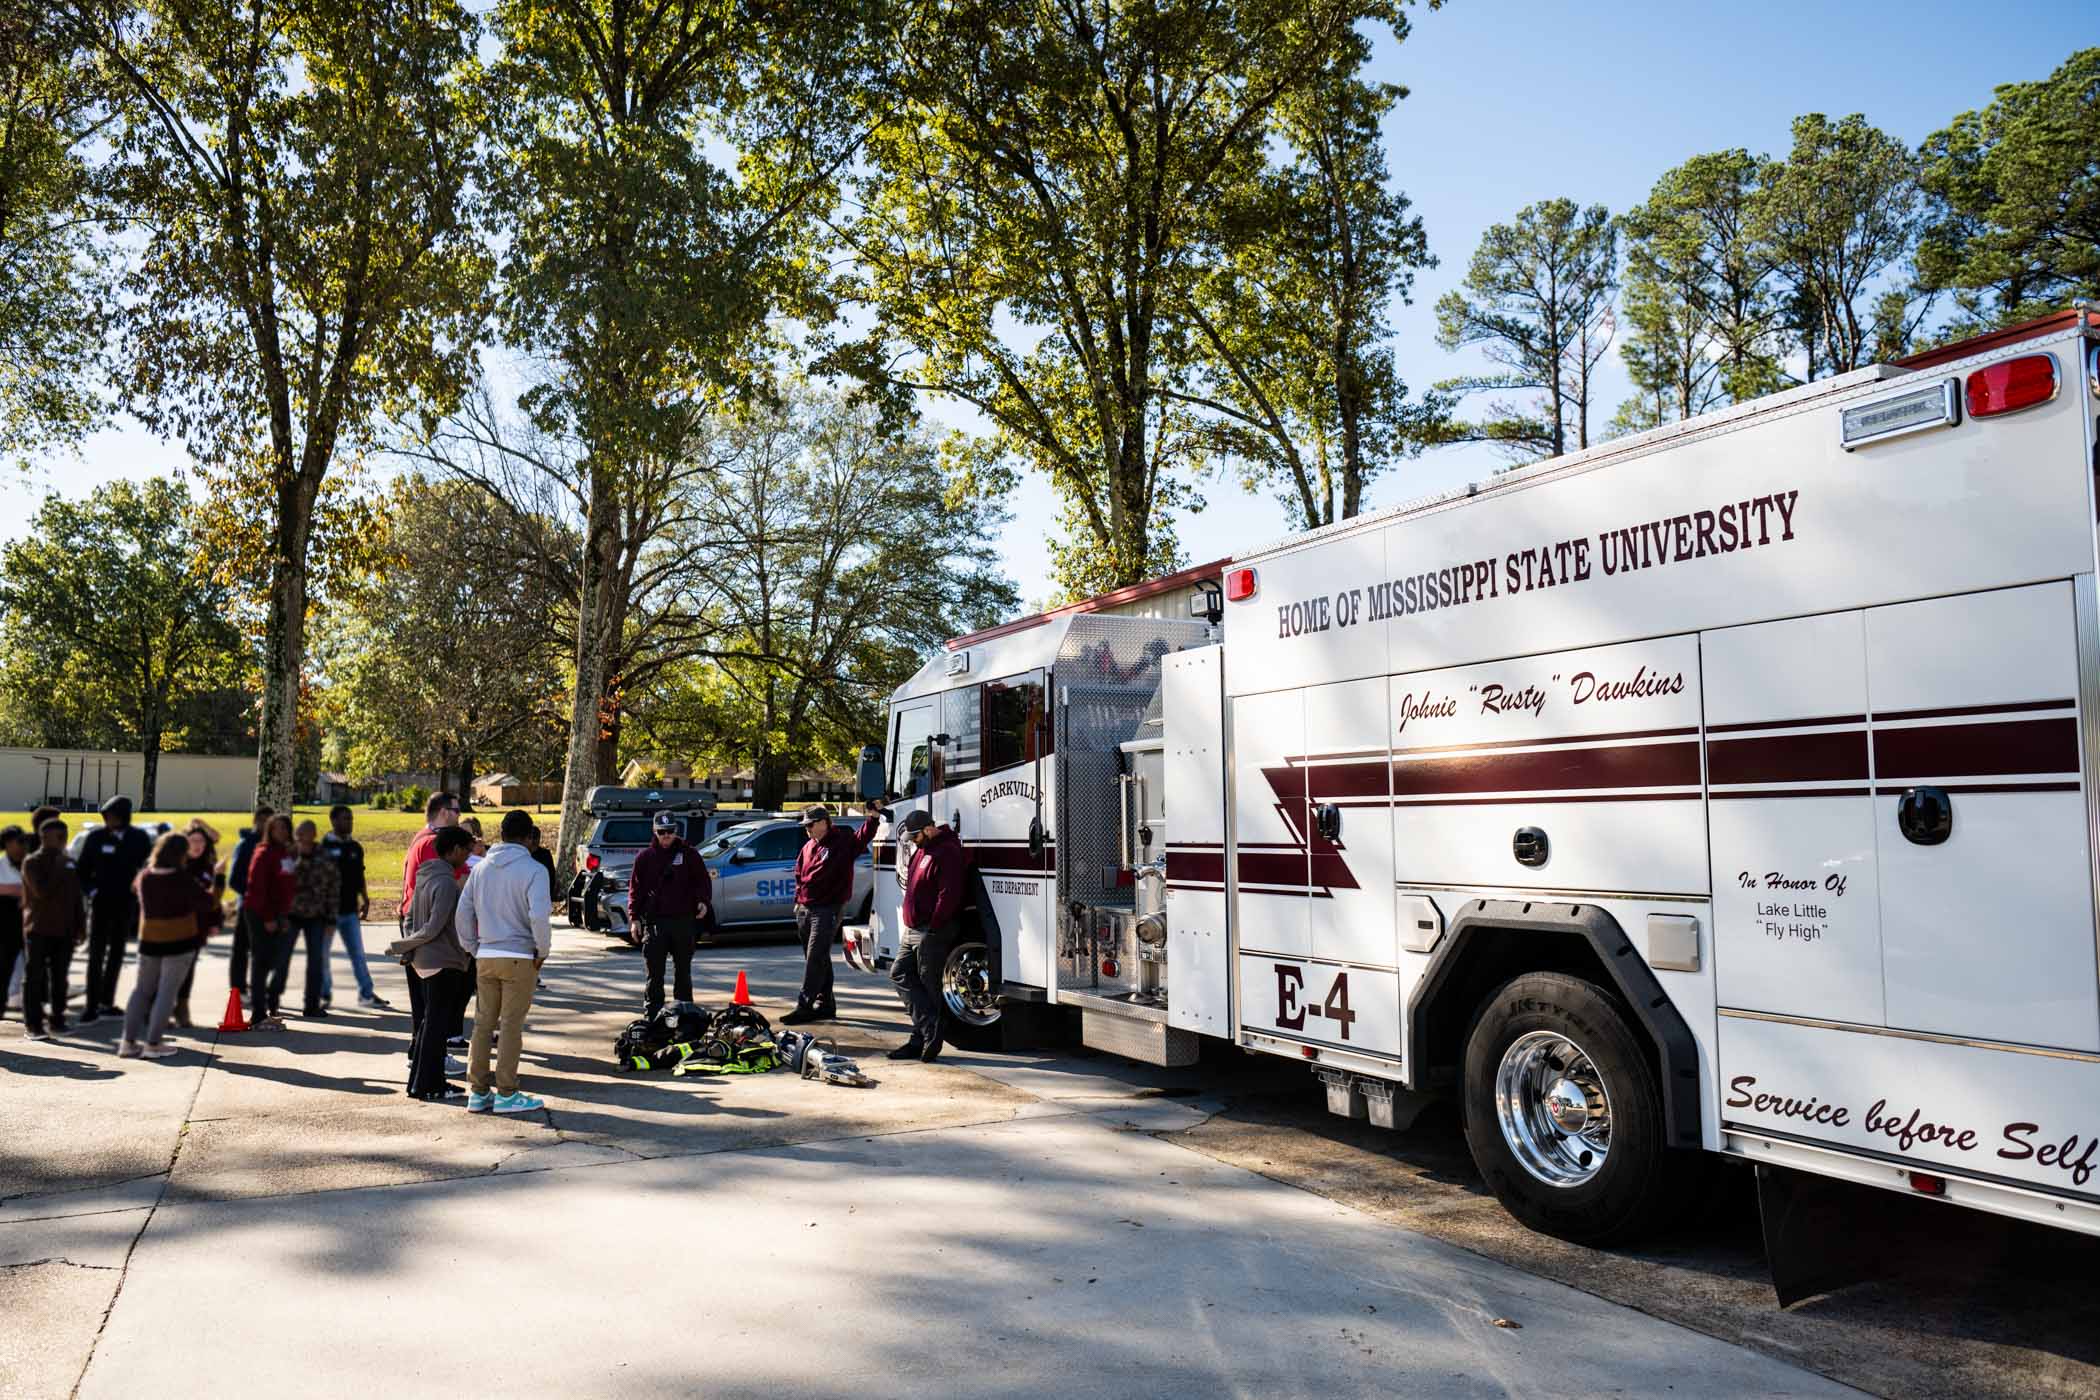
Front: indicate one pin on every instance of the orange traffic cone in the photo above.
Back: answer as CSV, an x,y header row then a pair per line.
x,y
233,1020
743,990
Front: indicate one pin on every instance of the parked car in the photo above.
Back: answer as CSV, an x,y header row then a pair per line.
x,y
752,865
621,825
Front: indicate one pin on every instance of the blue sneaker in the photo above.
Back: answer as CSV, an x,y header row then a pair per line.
x,y
480,1103
518,1103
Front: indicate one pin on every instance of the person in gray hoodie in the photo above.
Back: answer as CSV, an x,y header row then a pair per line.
x,y
437,964
506,925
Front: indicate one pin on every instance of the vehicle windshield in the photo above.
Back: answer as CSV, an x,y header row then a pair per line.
x,y
731,837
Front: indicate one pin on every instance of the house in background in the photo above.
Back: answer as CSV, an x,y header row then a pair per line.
x,y
812,785
510,790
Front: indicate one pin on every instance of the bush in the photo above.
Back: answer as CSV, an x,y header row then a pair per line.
x,y
381,802
413,798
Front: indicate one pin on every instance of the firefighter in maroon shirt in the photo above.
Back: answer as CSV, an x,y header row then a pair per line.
x,y
933,899
823,884
667,897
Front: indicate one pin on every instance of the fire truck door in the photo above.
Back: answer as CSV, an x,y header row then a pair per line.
x,y
1269,816
1980,817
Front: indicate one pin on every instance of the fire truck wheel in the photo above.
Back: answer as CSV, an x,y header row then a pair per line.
x,y
971,1004
1564,1116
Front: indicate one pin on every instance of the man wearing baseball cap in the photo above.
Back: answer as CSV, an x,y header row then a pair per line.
x,y
933,898
667,897
823,884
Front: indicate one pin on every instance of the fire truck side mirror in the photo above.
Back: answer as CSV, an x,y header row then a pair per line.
x,y
868,784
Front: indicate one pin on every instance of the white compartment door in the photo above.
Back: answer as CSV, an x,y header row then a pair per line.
x,y
1989,932
1272,860
1797,915
1349,769
1199,961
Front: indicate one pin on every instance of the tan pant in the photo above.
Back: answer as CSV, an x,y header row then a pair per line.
x,y
504,988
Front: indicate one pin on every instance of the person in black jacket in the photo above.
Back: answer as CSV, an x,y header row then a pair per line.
x,y
353,905
237,881
110,859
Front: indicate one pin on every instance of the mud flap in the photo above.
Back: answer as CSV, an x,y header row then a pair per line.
x,y
1818,1232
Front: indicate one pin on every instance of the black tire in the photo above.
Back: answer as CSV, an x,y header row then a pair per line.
x,y
1641,1185
976,1032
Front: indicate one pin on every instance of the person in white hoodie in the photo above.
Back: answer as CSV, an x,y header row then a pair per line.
x,y
505,923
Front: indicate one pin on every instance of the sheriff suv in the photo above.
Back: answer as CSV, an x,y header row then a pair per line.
x,y
622,823
752,867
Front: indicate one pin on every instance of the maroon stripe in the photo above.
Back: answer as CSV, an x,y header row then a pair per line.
x,y
1195,845
1555,797
1986,787
1788,758
1195,865
1541,743
1977,750
1636,765
1958,711
1348,780
1799,792
1272,868
1785,724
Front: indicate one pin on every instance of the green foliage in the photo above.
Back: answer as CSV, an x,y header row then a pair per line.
x,y
1839,216
2015,200
52,282
434,665
1537,299
296,173
113,629
845,553
1293,317
413,797
1034,215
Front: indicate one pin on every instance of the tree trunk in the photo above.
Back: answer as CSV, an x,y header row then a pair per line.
x,y
149,781
466,777
593,649
769,783
609,716
284,646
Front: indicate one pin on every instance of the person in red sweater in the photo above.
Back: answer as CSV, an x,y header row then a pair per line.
x,y
668,892
271,886
441,811
823,883
933,900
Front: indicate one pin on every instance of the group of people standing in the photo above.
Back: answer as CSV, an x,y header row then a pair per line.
x,y
476,926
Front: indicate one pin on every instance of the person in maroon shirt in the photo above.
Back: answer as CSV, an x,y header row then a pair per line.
x,y
271,887
668,892
933,900
823,884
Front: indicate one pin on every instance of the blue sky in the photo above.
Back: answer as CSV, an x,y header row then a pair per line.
x,y
1514,101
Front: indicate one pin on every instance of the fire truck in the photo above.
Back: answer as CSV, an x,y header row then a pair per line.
x,y
1726,791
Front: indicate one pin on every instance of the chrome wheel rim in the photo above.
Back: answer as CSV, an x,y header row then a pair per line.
x,y
966,986
1552,1106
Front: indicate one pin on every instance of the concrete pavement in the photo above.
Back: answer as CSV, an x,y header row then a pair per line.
x,y
280,1218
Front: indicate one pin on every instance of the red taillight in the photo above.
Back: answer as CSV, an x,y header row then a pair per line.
x,y
590,862
1240,585
2011,385
1926,1184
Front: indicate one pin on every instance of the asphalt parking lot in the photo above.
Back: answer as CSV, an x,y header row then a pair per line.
x,y
271,1213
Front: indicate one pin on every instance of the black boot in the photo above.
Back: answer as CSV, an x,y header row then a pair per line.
x,y
909,1050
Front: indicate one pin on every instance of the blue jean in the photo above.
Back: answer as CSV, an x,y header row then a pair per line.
x,y
352,934
317,935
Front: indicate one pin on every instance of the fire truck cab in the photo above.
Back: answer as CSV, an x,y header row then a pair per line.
x,y
1726,790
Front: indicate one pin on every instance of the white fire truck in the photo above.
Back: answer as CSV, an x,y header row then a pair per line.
x,y
1726,789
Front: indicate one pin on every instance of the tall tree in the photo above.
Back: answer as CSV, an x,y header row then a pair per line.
x,y
444,657
1699,303
1031,223
107,599
640,267
1537,300
51,283
2015,200
1838,219
1293,317
296,173
844,552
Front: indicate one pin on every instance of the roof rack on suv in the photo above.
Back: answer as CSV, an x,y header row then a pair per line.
x,y
609,798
